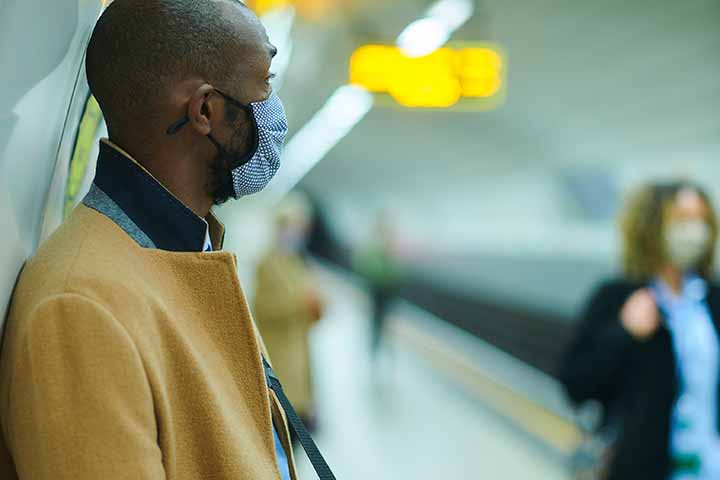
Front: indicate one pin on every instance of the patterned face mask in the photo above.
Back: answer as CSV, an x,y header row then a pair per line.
x,y
252,172
271,128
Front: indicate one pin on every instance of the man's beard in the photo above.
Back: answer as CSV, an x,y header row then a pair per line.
x,y
220,186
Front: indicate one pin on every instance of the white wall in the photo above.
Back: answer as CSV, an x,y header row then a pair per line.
x,y
41,51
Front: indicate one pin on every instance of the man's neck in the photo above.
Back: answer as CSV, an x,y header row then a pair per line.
x,y
183,176
154,208
186,188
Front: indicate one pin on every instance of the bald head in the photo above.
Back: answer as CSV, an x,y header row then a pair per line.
x,y
141,50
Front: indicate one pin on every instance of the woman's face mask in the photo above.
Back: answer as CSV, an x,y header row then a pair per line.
x,y
687,242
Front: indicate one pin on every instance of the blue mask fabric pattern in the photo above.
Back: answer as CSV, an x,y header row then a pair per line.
x,y
272,128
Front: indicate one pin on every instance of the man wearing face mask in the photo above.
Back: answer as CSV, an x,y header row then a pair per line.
x,y
130,351
648,347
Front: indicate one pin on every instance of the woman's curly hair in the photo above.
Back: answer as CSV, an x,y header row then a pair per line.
x,y
642,224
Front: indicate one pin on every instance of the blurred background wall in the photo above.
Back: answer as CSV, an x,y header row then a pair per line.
x,y
514,206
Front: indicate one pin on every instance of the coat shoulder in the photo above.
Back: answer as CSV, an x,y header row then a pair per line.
x,y
614,288
80,257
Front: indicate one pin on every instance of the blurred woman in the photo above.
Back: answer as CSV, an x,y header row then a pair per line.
x,y
648,347
286,304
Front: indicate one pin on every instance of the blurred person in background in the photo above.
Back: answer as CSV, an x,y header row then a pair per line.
x,y
376,263
287,304
647,348
321,242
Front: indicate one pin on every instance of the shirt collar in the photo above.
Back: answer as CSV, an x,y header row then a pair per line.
x,y
169,223
694,290
207,244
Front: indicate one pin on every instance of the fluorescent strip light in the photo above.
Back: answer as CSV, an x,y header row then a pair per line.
x,y
342,111
442,19
423,37
452,13
349,104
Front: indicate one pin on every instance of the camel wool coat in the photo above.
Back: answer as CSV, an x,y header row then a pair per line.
x,y
132,363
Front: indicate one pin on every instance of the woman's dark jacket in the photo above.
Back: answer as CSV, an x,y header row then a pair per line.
x,y
635,381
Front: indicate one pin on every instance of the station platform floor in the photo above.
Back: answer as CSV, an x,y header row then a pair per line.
x,y
402,417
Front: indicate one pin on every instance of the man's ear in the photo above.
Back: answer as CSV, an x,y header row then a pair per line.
x,y
203,106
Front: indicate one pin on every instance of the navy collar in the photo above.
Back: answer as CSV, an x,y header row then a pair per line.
x,y
165,220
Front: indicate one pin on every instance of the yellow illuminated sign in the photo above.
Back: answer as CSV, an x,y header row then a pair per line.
x,y
309,9
262,7
469,75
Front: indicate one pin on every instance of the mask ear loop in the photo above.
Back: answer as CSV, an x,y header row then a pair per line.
x,y
177,126
253,122
254,131
221,150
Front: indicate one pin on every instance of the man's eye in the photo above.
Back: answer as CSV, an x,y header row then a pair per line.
x,y
270,77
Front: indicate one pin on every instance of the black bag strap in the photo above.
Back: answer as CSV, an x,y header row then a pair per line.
x,y
316,458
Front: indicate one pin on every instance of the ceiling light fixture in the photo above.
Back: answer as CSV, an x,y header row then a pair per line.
x,y
424,36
